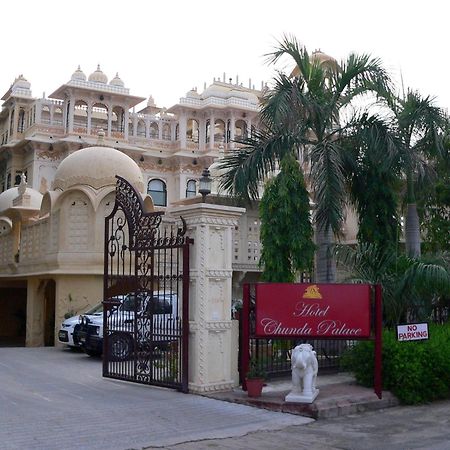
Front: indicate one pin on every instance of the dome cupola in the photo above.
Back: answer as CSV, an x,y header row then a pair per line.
x,y
78,75
97,167
117,81
98,76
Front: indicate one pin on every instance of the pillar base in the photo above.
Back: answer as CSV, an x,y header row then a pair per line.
x,y
294,397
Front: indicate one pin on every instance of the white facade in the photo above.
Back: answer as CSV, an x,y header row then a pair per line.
x,y
52,213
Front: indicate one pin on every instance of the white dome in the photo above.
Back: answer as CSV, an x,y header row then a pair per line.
x,y
78,75
21,82
323,58
216,90
98,76
97,167
192,94
252,98
7,197
117,81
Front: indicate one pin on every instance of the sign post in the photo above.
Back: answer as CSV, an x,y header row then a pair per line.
x,y
314,311
377,377
412,332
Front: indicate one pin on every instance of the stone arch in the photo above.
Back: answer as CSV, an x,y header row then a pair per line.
x,y
57,116
77,219
140,128
118,119
240,129
80,116
192,130
45,114
219,131
99,118
154,130
21,121
166,132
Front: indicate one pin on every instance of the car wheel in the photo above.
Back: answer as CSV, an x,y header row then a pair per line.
x,y
120,347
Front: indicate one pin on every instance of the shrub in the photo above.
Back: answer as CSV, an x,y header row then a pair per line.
x,y
415,372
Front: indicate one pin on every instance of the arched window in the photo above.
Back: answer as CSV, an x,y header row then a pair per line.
x,y
191,188
158,192
154,130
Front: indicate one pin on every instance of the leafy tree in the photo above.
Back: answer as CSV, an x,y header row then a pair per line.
x,y
286,230
372,169
304,113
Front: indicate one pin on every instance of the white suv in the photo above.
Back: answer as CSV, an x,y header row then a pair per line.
x,y
163,328
68,332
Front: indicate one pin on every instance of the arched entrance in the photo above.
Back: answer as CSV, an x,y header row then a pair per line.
x,y
13,314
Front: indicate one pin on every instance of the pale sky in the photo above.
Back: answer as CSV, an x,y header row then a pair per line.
x,y
165,48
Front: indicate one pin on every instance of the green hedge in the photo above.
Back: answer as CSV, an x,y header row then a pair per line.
x,y
415,372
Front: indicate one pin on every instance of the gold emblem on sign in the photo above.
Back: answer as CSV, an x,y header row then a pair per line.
x,y
312,292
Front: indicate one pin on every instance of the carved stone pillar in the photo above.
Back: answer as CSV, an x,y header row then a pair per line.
x,y
35,313
126,120
210,327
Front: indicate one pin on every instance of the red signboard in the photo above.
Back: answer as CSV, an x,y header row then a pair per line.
x,y
313,310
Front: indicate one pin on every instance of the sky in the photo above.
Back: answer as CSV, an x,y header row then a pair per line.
x,y
166,48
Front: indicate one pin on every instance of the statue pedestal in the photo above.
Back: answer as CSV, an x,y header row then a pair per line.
x,y
294,397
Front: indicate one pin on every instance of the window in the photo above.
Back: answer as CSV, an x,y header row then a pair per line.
x,y
191,189
158,192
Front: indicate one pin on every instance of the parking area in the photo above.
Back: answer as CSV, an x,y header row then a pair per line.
x,y
57,399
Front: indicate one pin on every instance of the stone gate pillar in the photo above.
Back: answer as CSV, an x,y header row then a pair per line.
x,y
210,335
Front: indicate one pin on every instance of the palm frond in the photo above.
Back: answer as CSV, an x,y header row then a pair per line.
x,y
246,167
327,179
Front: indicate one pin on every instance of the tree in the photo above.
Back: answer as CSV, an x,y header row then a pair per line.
x,y
372,167
286,230
304,113
434,206
421,127
411,286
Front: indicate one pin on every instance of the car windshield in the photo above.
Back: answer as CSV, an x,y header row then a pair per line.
x,y
132,302
96,309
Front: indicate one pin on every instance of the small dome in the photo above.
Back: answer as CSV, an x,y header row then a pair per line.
x,y
21,82
98,76
322,58
7,197
151,101
192,94
117,81
97,167
78,75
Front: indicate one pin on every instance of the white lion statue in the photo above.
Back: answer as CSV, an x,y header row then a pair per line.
x,y
304,374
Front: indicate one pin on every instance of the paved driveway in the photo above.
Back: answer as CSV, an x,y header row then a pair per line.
x,y
57,399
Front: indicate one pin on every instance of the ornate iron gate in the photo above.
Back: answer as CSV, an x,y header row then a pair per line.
x,y
146,295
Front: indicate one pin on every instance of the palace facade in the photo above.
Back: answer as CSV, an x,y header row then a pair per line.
x,y
55,194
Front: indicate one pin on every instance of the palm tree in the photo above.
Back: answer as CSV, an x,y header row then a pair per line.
x,y
304,113
411,286
421,127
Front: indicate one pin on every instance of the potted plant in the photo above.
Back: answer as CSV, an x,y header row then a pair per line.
x,y
255,379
